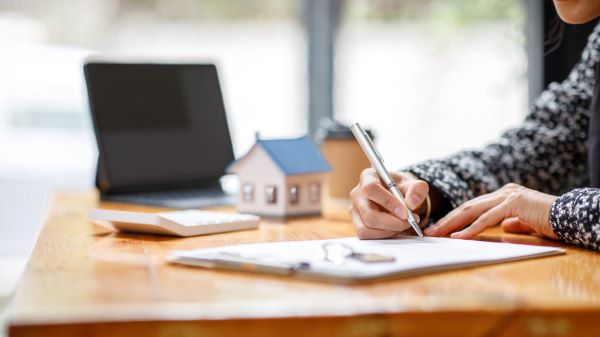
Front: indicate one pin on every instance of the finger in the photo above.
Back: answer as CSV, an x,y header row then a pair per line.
x,y
468,204
515,225
369,176
365,233
374,218
464,215
376,192
490,218
416,192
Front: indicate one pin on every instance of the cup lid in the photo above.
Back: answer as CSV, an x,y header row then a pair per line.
x,y
332,129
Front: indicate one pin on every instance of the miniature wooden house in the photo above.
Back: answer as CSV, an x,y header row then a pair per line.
x,y
281,177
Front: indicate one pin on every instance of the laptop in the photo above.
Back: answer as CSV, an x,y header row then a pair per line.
x,y
162,133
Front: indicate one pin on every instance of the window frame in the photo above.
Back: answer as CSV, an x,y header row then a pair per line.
x,y
294,194
314,192
271,194
248,192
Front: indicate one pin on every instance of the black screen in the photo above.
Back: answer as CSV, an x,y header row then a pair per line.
x,y
158,124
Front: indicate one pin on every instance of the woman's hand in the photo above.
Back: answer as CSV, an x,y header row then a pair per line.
x,y
376,213
517,208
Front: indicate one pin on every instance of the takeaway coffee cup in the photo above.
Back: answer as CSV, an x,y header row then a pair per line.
x,y
345,156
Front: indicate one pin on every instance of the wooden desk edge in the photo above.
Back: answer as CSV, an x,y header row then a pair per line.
x,y
451,323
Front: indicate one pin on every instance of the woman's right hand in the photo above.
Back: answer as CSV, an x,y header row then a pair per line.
x,y
377,213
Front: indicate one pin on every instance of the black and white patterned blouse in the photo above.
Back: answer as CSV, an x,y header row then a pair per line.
x,y
548,153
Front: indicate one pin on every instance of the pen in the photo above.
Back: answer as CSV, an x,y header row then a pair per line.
x,y
377,162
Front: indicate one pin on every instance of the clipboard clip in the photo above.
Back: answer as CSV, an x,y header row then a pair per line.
x,y
338,253
234,261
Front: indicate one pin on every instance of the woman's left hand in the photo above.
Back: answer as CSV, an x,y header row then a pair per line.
x,y
518,208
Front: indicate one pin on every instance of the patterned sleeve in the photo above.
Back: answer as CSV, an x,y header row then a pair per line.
x,y
575,217
548,153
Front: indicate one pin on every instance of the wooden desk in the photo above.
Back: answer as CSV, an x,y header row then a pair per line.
x,y
82,283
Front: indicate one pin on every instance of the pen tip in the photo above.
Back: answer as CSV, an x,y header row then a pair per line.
x,y
417,229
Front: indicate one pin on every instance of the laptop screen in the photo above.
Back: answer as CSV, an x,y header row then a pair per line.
x,y
158,125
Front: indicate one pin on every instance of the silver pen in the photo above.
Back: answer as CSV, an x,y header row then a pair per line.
x,y
377,162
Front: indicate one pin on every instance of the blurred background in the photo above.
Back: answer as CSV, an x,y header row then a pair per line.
x,y
430,77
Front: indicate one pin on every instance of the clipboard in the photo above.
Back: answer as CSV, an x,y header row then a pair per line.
x,y
411,256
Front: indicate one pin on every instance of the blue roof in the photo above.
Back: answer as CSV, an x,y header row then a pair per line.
x,y
294,156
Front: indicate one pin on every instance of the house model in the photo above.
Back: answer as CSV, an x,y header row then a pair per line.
x,y
281,177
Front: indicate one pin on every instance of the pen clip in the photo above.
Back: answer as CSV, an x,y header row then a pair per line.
x,y
372,145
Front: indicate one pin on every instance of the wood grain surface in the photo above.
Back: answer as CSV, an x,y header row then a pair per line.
x,y
84,280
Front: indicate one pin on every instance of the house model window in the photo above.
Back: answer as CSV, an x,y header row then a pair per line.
x,y
314,192
248,192
294,190
271,194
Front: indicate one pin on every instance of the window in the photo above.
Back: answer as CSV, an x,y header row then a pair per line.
x,y
248,193
314,192
271,194
294,194
466,97
43,102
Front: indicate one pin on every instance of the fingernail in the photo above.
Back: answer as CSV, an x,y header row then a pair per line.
x,y
456,234
400,213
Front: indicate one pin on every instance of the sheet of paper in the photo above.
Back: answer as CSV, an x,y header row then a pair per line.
x,y
412,254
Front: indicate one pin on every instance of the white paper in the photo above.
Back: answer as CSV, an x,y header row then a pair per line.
x,y
413,255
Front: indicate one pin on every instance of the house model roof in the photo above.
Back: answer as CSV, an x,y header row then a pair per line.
x,y
292,156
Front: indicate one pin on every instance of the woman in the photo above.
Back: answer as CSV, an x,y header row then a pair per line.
x,y
521,180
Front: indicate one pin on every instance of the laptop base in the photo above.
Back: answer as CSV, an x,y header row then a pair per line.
x,y
179,199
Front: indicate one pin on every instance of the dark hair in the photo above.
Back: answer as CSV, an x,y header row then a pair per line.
x,y
554,36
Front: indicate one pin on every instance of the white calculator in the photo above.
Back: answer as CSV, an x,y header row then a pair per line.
x,y
178,223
